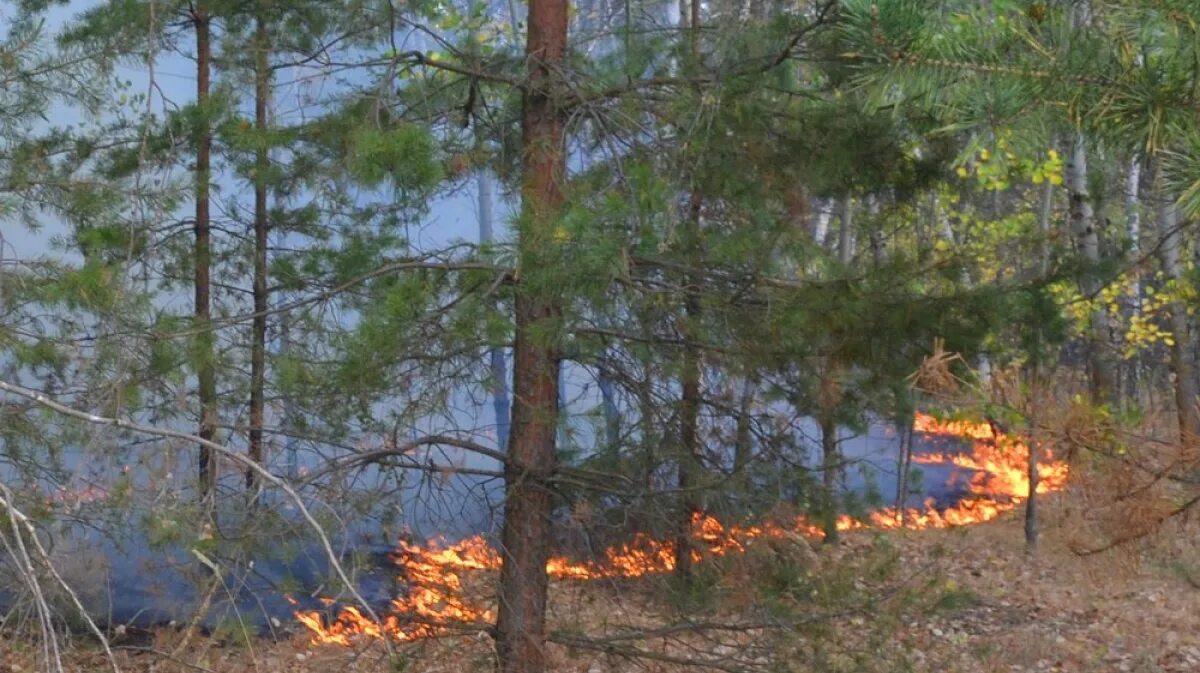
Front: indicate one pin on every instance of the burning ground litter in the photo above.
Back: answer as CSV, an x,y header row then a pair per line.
x,y
435,602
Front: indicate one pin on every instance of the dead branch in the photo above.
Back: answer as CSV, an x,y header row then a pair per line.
x,y
235,456
20,520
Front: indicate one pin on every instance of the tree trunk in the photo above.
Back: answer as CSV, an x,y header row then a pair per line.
x,y
689,403
876,238
925,225
532,456
1182,364
291,423
846,232
1133,210
743,448
1041,270
694,33
904,419
821,224
1087,241
829,468
646,419
1133,223
1043,242
1031,502
904,466
612,413
501,404
262,165
829,398
983,364
202,256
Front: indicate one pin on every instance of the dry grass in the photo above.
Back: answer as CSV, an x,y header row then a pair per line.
x,y
978,605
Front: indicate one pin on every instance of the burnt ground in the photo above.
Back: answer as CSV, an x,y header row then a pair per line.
x,y
965,600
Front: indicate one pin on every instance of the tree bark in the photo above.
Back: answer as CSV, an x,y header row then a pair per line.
x,y
830,398
1031,502
743,448
1133,223
202,256
1087,241
262,165
829,470
846,232
1043,242
612,413
876,237
904,466
532,456
821,224
689,403
1041,270
1182,364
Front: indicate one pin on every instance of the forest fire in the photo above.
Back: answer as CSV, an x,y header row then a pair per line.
x,y
436,604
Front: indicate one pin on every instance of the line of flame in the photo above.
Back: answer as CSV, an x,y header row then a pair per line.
x,y
435,602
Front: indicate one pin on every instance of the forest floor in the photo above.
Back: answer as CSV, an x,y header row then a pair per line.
x,y
982,606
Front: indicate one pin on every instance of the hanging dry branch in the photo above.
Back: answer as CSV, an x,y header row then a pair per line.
x,y
935,375
21,522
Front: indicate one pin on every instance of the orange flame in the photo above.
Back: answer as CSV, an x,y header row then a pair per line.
x,y
436,602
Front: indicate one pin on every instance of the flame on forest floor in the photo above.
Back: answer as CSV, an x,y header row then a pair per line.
x,y
435,601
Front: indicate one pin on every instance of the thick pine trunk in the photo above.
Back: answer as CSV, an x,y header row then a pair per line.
x,y
202,256
532,458
262,164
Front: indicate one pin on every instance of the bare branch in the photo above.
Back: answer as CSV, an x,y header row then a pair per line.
x,y
235,456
